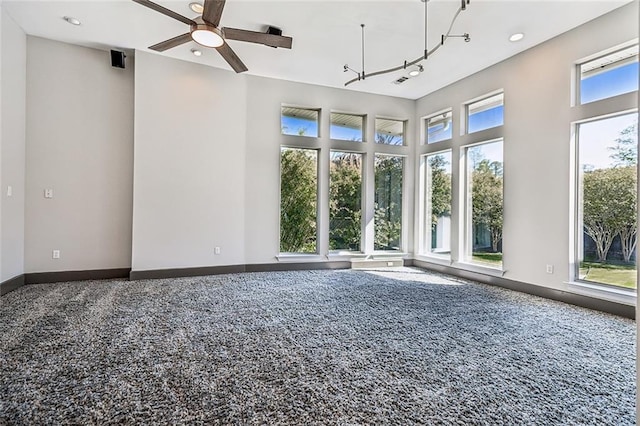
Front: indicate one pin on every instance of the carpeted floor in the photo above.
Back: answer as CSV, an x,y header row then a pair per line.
x,y
342,347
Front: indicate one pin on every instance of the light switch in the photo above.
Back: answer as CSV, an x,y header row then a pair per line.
x,y
48,193
9,191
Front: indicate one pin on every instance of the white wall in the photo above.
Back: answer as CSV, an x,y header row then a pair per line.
x,y
537,140
80,144
12,143
189,167
265,97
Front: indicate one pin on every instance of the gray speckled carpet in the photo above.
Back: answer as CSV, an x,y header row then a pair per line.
x,y
343,347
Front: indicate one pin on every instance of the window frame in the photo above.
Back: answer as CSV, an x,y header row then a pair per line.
x,y
304,108
466,218
425,126
486,96
577,72
425,233
363,129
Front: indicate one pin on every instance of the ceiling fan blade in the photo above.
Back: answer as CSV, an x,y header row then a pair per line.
x,y
172,42
165,11
232,59
213,11
256,37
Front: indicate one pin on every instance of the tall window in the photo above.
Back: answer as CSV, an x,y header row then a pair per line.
x,y
439,127
345,201
609,75
484,205
298,200
485,113
607,206
389,132
347,127
299,121
437,238
388,202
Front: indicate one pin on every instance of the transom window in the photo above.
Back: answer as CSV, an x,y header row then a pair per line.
x,y
389,132
439,127
299,121
347,127
485,113
610,75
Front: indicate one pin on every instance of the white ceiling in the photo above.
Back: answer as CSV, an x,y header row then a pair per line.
x,y
326,34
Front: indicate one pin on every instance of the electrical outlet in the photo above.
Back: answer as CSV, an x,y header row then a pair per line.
x,y
9,191
56,254
389,263
48,193
216,250
549,269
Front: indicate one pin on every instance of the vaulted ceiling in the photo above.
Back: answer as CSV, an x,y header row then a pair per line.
x,y
326,34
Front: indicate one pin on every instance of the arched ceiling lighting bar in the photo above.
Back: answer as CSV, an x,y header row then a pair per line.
x,y
426,54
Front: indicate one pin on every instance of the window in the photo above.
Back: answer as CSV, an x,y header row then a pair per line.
x,y
484,204
347,127
389,132
345,201
298,200
486,113
607,200
437,186
610,75
299,121
388,202
439,127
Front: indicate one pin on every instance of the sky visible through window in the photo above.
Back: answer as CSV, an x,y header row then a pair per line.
x,y
598,136
299,126
486,119
610,83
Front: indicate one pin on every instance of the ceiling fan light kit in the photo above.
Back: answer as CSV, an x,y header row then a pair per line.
x,y
206,31
361,75
206,35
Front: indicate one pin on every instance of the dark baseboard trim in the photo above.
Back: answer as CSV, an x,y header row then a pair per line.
x,y
11,284
272,267
620,309
185,272
63,276
234,269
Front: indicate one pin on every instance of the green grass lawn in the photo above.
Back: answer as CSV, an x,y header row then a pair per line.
x,y
490,259
620,275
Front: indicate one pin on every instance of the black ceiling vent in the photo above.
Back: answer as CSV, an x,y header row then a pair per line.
x,y
401,80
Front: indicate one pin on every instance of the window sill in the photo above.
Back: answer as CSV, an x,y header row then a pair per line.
x,y
299,257
446,261
627,297
481,269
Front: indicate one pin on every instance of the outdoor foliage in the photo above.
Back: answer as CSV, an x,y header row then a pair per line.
x,y
388,202
440,188
345,192
298,198
610,199
487,202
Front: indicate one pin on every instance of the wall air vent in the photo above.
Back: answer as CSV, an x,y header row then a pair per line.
x,y
400,80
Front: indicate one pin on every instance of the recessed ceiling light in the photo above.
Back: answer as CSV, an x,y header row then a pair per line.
x,y
516,37
72,20
196,7
196,52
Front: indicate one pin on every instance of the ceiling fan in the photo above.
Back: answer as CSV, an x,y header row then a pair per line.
x,y
205,30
